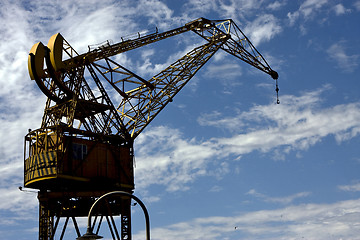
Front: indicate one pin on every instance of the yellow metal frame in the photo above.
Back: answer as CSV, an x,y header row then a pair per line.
x,y
36,67
141,99
39,167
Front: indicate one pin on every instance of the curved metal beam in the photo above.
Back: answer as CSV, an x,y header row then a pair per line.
x,y
89,233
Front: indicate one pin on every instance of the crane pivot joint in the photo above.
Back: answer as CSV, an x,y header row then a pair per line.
x,y
274,74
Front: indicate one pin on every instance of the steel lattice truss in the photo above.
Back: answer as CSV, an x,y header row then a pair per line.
x,y
71,84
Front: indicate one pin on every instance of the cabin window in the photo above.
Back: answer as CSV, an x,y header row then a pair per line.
x,y
79,151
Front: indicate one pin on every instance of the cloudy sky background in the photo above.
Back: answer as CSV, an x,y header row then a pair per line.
x,y
222,161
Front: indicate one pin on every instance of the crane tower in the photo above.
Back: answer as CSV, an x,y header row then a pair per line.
x,y
84,147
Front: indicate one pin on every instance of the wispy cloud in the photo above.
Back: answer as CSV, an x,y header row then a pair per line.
x,y
227,73
263,29
174,163
350,188
295,127
345,61
281,200
357,5
306,221
306,10
158,12
18,200
296,124
235,9
276,5
339,9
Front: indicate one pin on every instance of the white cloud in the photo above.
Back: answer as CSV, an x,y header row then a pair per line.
x,y
227,73
147,66
357,5
263,29
17,206
234,9
350,188
276,5
19,106
151,199
76,20
340,9
307,221
293,17
309,6
158,12
346,62
296,128
282,200
306,10
215,119
175,163
83,23
296,124
216,188
19,96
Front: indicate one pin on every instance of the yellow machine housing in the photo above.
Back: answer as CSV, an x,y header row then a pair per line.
x,y
55,159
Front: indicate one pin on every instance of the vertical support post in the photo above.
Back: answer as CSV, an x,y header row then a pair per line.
x,y
126,219
45,221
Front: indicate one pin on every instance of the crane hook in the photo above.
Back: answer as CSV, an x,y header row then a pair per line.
x,y
277,92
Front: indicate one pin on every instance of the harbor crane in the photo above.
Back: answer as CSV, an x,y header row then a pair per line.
x,y
84,147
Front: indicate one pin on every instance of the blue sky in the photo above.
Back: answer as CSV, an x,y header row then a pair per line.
x,y
223,161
